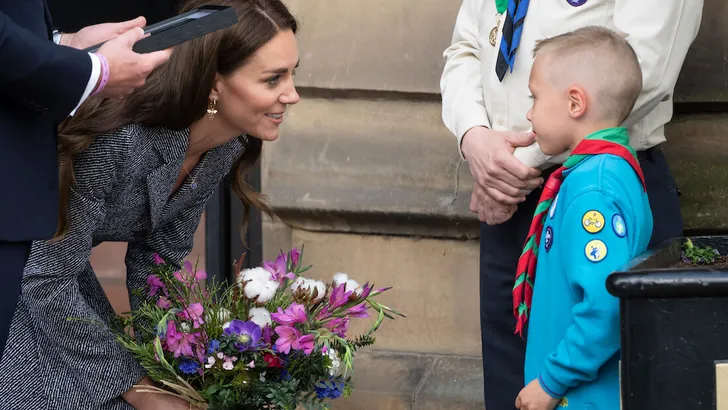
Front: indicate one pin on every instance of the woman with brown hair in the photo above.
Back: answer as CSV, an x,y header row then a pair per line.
x,y
140,170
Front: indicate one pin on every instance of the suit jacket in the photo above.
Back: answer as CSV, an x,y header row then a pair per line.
x,y
124,180
40,84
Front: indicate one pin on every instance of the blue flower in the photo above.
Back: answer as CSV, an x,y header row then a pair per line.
x,y
329,389
189,366
214,345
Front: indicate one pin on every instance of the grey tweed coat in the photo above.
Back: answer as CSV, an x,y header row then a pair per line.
x,y
122,193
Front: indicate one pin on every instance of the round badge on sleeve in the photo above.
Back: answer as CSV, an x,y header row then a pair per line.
x,y
593,221
548,238
576,3
620,228
595,250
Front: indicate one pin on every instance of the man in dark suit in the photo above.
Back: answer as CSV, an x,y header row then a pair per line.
x,y
41,83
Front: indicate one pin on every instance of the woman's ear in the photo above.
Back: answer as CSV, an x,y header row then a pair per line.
x,y
217,86
578,102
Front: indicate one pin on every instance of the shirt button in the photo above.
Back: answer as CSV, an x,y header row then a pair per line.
x,y
499,120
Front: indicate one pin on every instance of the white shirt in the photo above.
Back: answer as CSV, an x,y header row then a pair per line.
x,y
659,31
93,79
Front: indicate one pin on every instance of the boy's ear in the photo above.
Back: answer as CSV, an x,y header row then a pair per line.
x,y
578,102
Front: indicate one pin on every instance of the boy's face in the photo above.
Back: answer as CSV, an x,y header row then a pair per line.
x,y
549,114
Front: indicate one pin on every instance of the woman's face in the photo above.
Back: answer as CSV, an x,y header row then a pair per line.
x,y
254,98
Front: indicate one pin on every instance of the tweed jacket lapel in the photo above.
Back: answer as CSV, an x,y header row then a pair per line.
x,y
171,146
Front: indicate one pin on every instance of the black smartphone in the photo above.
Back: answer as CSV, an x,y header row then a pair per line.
x,y
184,27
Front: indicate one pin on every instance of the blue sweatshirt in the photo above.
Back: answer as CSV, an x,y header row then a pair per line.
x,y
600,220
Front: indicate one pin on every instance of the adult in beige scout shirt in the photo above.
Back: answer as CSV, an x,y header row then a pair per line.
x,y
487,114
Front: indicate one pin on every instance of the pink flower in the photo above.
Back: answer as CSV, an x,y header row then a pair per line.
x,y
279,269
194,313
163,303
295,313
179,343
187,275
359,311
338,326
323,314
155,284
158,259
339,297
287,335
295,256
304,343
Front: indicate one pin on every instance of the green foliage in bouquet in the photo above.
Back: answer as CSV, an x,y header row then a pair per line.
x,y
272,340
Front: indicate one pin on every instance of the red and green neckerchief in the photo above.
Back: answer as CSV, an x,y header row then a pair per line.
x,y
613,141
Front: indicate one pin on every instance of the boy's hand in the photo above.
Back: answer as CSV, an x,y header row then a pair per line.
x,y
533,397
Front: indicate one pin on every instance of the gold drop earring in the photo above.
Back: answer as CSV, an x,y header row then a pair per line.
x,y
212,108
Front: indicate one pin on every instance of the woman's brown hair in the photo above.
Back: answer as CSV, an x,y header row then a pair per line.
x,y
176,94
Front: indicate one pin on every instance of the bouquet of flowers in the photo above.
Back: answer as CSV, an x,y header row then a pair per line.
x,y
273,340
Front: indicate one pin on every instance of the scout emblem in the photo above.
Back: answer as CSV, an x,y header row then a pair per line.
x,y
576,3
564,402
548,238
494,32
620,229
595,250
593,221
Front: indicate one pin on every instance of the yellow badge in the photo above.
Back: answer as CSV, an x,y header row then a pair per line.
x,y
564,402
593,221
595,250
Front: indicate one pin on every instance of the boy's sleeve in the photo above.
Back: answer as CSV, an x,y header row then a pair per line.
x,y
596,243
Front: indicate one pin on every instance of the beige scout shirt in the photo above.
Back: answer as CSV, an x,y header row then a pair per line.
x,y
660,31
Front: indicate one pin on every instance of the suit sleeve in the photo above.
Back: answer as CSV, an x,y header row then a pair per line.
x,y
461,82
38,74
172,241
57,286
661,33
597,245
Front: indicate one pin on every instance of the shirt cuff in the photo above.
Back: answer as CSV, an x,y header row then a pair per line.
x,y
551,386
465,123
95,73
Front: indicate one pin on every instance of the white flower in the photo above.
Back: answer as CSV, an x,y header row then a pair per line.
x,y
220,355
185,327
262,377
260,316
335,362
255,275
310,285
227,365
223,315
263,290
210,362
351,284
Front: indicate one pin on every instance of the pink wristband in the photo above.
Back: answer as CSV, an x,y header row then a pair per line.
x,y
104,74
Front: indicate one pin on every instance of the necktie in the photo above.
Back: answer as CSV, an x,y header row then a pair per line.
x,y
512,29
526,271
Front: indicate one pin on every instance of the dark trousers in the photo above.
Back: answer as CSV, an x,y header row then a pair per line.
x,y
500,247
13,256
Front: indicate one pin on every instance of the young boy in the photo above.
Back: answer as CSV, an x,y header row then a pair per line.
x,y
592,217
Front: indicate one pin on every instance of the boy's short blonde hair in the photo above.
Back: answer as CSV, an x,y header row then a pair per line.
x,y
603,60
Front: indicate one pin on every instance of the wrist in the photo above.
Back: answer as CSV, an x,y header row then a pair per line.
x,y
66,39
466,141
133,396
103,76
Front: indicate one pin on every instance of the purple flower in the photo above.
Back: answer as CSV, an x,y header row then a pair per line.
x,y
194,313
279,269
295,256
246,334
158,259
163,303
155,284
187,275
338,326
267,334
304,343
287,335
359,311
339,296
179,343
295,313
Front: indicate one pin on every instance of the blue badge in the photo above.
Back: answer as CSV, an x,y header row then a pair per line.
x,y
620,228
548,238
576,3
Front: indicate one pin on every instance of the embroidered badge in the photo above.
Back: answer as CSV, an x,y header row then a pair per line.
x,y
564,402
595,250
553,206
593,221
620,228
576,3
548,238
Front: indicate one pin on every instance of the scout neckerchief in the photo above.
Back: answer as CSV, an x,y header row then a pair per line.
x,y
607,141
512,29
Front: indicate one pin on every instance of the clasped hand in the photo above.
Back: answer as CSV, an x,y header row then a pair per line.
x,y
533,397
501,180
